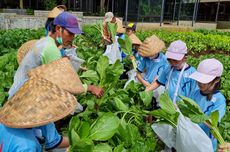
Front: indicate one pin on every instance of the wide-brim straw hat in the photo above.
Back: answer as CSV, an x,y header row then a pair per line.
x,y
61,73
151,46
38,102
24,49
120,27
135,40
56,11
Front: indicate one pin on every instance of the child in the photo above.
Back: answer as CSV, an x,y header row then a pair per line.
x,y
208,96
176,76
136,42
152,64
131,29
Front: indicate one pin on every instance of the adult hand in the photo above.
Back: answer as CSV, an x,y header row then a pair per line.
x,y
224,147
95,90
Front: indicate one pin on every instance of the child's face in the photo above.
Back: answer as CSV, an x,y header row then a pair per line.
x,y
129,31
203,87
176,64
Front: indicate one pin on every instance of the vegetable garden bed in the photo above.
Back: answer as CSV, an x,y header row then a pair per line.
x,y
121,111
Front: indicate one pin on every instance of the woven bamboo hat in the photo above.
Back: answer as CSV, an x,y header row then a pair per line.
x,y
37,102
135,39
56,11
23,50
120,28
61,73
151,46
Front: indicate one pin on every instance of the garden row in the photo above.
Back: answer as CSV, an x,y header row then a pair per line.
x,y
114,122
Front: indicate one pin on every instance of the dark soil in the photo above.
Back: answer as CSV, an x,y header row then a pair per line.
x,y
198,54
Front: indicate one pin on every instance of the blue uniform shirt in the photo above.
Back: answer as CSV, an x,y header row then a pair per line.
x,y
218,102
154,67
187,85
137,56
24,140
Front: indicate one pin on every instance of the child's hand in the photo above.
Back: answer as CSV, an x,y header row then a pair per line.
x,y
132,57
224,147
148,88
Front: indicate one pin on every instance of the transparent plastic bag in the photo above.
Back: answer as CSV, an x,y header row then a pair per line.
x,y
113,52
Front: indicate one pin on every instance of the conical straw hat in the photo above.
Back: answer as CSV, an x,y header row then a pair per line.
x,y
135,39
56,11
37,102
151,46
61,73
23,50
120,28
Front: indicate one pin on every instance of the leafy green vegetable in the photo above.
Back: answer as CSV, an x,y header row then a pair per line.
x,y
112,28
103,147
192,110
104,128
168,113
146,97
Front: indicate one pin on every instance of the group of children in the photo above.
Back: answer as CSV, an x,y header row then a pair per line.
x,y
170,71
155,70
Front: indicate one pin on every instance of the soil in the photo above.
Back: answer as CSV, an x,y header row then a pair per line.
x,y
198,54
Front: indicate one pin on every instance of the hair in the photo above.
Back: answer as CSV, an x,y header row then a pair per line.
x,y
212,86
50,27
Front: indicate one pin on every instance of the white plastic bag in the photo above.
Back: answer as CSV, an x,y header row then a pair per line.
x,y
132,76
113,52
191,138
74,59
157,93
186,137
166,133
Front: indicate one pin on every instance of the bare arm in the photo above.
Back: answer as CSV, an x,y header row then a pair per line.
x,y
95,90
139,77
153,86
64,143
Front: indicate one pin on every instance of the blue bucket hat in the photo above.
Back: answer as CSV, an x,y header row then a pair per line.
x,y
69,22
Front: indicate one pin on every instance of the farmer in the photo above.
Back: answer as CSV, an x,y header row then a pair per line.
x,y
46,50
152,64
208,96
131,29
176,76
51,16
107,38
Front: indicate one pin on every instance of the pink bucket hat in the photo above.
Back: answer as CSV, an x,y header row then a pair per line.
x,y
176,50
207,71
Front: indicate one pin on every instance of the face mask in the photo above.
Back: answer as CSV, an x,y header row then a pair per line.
x,y
59,39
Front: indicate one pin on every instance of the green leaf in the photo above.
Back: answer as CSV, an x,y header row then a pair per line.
x,y
102,64
192,105
214,118
126,45
104,127
120,105
103,147
166,104
146,97
120,148
84,130
112,29
90,75
163,116
74,123
82,145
